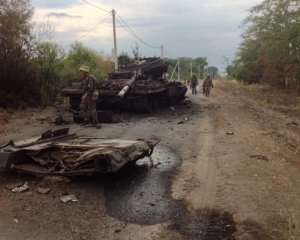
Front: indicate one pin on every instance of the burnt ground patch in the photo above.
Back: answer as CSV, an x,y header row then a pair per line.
x,y
214,224
206,224
250,229
142,193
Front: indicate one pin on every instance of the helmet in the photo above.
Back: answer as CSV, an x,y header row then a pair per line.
x,y
207,75
194,75
84,68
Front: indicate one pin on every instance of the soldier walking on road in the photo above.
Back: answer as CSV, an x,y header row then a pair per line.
x,y
207,85
194,83
88,99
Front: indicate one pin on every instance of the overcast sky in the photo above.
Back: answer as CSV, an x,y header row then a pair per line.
x,y
186,28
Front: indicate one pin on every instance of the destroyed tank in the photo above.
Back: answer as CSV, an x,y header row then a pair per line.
x,y
60,153
135,86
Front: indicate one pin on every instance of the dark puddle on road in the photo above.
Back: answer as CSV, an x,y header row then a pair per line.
x,y
142,193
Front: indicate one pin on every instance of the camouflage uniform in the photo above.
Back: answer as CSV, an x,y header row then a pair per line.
x,y
88,106
207,85
194,83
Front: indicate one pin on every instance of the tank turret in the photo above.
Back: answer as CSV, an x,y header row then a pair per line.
x,y
135,86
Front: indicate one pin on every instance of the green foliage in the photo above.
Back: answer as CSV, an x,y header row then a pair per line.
x,y
48,66
213,71
123,58
17,78
99,64
135,52
33,69
187,66
269,52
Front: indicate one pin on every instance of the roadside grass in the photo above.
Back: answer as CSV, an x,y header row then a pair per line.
x,y
283,109
264,95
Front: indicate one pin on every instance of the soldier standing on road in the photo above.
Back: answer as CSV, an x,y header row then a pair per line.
x,y
88,104
194,83
207,85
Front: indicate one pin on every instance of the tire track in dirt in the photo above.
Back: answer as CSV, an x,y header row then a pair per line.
x,y
202,184
205,168
198,187
198,176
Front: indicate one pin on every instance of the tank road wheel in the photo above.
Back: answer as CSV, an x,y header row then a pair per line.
x,y
161,101
149,105
143,104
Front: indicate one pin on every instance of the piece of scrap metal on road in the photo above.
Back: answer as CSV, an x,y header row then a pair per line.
x,y
63,154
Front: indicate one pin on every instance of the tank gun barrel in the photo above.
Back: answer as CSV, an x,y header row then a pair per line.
x,y
129,84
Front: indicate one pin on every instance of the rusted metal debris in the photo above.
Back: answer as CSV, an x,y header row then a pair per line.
x,y
58,153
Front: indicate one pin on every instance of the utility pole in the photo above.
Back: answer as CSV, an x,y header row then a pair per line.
x,y
162,51
115,40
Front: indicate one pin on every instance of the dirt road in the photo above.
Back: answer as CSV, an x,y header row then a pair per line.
x,y
226,168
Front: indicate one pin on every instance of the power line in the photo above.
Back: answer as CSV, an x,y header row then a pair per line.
x,y
97,7
93,28
89,31
126,27
132,33
165,50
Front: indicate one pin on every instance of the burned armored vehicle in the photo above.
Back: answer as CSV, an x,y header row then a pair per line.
x,y
135,86
58,153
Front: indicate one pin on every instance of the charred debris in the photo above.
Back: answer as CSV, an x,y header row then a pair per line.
x,y
58,153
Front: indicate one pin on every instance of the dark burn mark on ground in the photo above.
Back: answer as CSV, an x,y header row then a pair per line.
x,y
250,229
206,224
142,193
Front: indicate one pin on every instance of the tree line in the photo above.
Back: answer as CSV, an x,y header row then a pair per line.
x,y
269,52
34,68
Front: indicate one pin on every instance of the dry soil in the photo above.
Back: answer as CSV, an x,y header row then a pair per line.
x,y
238,176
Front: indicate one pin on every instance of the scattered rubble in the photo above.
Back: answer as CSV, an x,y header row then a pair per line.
x,y
22,188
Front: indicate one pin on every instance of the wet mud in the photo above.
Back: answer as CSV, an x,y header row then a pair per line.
x,y
142,193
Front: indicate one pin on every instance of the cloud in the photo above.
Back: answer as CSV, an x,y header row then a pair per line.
x,y
61,15
190,28
54,3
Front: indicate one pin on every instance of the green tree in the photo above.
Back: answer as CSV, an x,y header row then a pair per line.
x,y
213,71
100,65
135,52
48,61
201,63
186,65
123,58
228,68
269,51
17,75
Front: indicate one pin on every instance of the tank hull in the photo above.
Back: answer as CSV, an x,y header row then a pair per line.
x,y
135,86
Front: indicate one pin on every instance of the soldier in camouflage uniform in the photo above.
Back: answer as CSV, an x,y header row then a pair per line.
x,y
194,83
207,85
88,105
